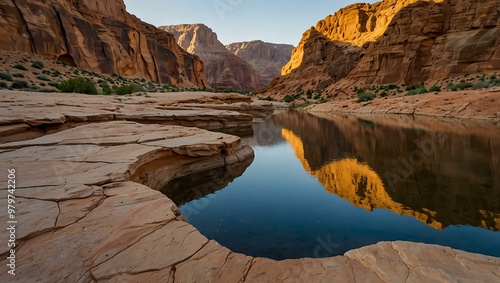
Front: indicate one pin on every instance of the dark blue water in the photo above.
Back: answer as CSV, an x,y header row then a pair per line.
x,y
291,201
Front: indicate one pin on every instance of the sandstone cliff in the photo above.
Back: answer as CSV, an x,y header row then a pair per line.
x,y
223,69
266,58
99,36
401,42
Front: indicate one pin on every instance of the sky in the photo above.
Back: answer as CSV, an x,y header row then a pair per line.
x,y
277,21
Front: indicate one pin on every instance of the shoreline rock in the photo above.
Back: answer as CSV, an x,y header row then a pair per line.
x,y
84,218
465,104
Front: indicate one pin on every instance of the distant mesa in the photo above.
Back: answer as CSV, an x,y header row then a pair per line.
x,y
223,69
266,58
99,36
392,41
241,66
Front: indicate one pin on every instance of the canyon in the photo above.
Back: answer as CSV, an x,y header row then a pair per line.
x,y
90,201
399,42
243,66
223,69
266,58
99,36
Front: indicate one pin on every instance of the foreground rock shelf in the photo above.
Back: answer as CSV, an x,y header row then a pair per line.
x,y
88,208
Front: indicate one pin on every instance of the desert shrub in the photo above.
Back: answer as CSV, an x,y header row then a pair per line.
x,y
365,96
6,76
56,73
128,89
18,75
268,98
289,98
464,85
77,85
392,86
53,83
3,85
309,94
42,84
420,90
43,78
20,67
38,65
414,87
19,84
435,88
480,85
384,94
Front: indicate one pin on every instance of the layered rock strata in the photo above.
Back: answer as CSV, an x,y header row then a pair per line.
x,y
88,217
401,42
266,58
223,69
99,36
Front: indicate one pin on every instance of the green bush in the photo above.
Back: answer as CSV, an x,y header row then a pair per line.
x,y
18,75
128,89
268,98
20,67
3,85
416,91
38,65
384,94
464,85
365,96
77,85
43,78
289,98
53,83
19,84
6,76
480,85
415,86
435,88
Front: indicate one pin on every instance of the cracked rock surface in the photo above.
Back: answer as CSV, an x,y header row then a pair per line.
x,y
88,208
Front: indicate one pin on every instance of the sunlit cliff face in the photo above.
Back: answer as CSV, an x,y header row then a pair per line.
x,y
356,25
359,184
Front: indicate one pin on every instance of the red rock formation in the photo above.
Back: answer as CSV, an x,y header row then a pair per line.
x,y
223,69
99,36
266,58
395,42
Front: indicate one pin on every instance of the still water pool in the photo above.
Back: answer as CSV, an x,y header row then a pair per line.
x,y
320,186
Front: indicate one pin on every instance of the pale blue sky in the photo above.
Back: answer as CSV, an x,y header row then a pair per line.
x,y
277,21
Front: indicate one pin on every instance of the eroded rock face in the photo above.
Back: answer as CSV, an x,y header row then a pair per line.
x,y
223,69
85,195
266,58
395,42
97,35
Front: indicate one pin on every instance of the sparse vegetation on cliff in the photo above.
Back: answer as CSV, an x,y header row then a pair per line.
x,y
77,85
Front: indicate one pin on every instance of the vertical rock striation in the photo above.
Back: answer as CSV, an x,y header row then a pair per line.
x,y
393,41
97,35
266,58
223,69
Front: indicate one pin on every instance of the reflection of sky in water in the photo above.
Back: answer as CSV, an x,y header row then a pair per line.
x,y
278,210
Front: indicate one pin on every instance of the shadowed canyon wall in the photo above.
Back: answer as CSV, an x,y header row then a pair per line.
x,y
100,36
266,58
223,69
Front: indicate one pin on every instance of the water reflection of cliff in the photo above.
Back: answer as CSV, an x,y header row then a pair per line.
x,y
200,184
440,177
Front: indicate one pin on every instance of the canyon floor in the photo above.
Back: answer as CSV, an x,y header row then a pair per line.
x,y
468,104
88,170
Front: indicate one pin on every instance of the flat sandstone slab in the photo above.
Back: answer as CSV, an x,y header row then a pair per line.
x,y
84,216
